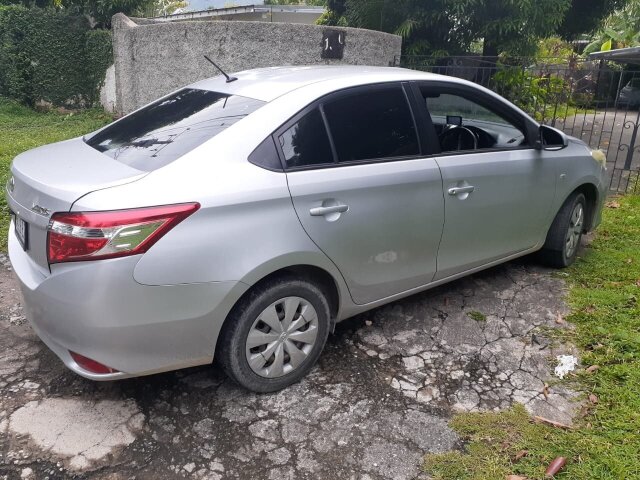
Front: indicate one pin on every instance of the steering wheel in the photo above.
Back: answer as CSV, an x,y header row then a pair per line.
x,y
456,138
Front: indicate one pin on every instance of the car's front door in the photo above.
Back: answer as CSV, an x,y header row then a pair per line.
x,y
362,190
498,190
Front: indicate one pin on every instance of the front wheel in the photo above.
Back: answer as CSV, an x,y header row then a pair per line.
x,y
274,335
563,240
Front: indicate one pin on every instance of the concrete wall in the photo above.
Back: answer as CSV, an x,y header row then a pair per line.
x,y
153,59
108,90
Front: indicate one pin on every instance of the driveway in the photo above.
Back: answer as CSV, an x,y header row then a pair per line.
x,y
380,398
615,131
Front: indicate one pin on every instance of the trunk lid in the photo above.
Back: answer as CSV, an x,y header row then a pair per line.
x,y
51,178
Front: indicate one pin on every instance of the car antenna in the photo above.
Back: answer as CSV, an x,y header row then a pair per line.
x,y
229,79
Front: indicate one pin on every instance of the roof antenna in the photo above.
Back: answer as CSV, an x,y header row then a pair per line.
x,y
229,79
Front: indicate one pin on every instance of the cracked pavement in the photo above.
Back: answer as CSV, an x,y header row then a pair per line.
x,y
379,399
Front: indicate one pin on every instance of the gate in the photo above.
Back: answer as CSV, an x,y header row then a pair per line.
x,y
593,101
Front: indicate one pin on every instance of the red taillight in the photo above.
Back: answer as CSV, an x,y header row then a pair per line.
x,y
91,365
74,237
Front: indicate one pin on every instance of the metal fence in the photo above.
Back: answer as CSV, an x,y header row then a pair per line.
x,y
593,101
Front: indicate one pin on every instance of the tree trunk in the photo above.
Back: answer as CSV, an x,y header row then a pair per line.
x,y
490,49
489,59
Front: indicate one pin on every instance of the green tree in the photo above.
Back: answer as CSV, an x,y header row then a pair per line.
x,y
509,26
427,26
158,8
586,16
619,30
101,11
554,50
339,7
98,11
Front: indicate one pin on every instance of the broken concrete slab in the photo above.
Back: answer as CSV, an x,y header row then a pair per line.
x,y
379,399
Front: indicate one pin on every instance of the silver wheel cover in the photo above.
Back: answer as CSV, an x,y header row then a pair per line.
x,y
574,232
282,337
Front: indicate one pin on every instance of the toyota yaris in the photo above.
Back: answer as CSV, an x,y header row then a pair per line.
x,y
239,220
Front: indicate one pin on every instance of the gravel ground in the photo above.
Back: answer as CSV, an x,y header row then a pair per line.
x,y
380,398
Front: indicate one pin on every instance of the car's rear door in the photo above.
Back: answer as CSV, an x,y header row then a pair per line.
x,y
497,196
363,191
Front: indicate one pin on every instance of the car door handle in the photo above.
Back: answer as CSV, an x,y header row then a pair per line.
x,y
459,190
320,211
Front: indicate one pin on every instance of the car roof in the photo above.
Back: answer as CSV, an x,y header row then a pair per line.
x,y
267,84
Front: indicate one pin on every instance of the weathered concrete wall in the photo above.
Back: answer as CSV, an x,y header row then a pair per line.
x,y
152,59
108,90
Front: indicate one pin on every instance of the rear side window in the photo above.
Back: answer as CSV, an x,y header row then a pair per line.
x,y
372,124
306,142
161,132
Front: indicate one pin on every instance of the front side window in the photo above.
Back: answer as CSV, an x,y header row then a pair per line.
x,y
463,124
167,129
306,143
372,124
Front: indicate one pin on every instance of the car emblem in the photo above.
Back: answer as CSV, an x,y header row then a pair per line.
x,y
40,210
12,184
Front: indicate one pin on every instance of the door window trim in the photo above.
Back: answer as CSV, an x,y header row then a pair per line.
x,y
319,103
520,121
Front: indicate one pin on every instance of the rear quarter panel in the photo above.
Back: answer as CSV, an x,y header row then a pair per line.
x,y
246,227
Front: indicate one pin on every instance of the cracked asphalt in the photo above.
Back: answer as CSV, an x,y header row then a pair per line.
x,y
379,399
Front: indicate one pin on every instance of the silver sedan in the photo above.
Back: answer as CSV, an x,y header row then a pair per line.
x,y
242,219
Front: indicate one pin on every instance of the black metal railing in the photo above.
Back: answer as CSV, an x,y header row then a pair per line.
x,y
593,101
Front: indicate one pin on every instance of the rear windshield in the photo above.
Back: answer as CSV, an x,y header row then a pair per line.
x,y
167,129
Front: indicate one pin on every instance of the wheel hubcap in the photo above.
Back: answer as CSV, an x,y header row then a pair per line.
x,y
574,231
282,337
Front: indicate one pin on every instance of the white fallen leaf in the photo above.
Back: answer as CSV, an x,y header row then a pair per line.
x,y
566,364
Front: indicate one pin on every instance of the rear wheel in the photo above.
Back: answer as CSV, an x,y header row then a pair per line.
x,y
275,335
563,240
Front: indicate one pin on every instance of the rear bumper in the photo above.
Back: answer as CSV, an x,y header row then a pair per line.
x,y
98,310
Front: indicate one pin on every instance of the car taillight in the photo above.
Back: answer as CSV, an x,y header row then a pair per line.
x,y
82,236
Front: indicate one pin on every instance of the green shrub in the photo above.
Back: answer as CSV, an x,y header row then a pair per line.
x,y
52,56
331,18
542,96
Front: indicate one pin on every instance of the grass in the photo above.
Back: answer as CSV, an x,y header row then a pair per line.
x,y
477,316
22,128
605,301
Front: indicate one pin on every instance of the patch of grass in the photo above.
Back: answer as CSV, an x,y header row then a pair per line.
x,y
605,302
22,128
494,441
477,316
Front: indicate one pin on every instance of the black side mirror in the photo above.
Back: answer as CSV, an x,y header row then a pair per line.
x,y
537,143
550,138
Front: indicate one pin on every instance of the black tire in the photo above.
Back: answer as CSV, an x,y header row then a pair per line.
x,y
556,252
232,344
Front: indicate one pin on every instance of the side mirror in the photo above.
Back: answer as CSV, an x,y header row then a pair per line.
x,y
550,138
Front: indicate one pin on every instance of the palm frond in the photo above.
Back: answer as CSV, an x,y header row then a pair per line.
x,y
406,28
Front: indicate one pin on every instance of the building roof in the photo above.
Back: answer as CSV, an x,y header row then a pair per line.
x,y
287,12
620,55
